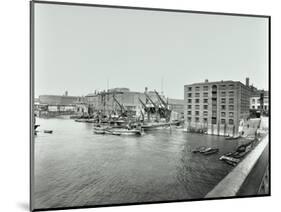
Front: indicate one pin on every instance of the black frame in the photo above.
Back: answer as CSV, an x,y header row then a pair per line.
x,y
31,90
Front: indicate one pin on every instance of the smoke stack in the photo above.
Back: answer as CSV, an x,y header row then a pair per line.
x,y
206,80
146,89
247,81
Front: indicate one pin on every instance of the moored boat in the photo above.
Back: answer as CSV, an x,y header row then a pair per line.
x,y
211,151
232,138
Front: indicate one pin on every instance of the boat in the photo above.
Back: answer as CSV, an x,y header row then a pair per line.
x,y
230,162
116,131
48,131
232,137
211,151
199,149
123,131
231,159
240,154
99,132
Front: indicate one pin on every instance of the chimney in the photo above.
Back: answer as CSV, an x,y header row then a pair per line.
x,y
206,80
146,89
247,81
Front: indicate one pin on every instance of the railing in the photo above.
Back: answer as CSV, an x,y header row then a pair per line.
x,y
231,185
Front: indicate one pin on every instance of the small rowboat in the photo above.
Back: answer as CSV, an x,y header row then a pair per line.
x,y
211,151
230,160
48,131
199,149
232,138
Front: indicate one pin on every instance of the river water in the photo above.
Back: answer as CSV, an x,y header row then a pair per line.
x,y
75,167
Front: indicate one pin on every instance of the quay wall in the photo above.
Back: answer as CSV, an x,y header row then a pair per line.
x,y
231,184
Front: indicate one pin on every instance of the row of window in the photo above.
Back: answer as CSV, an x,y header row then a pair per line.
x,y
214,106
223,100
197,107
206,87
198,88
224,87
206,94
205,113
230,100
205,120
258,101
258,107
230,107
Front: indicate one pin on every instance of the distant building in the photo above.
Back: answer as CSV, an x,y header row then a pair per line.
x,y
130,100
57,99
177,105
55,105
257,104
217,108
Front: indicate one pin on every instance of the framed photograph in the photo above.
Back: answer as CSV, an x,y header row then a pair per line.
x,y
134,105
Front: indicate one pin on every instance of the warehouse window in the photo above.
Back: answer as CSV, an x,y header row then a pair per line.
x,y
230,121
231,87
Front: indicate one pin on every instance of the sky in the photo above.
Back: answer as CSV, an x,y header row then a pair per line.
x,y
81,49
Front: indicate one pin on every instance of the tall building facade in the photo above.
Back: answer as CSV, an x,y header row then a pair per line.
x,y
217,108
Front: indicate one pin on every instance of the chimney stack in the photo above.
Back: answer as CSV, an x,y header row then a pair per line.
x,y
146,89
247,81
206,80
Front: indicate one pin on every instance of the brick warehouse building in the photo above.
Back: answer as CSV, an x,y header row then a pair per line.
x,y
217,108
130,100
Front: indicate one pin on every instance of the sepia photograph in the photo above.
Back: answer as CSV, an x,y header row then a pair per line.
x,y
142,105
